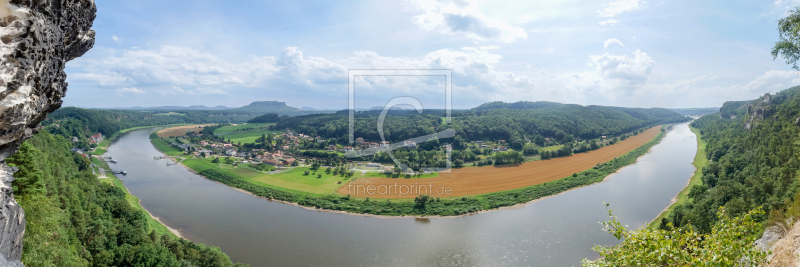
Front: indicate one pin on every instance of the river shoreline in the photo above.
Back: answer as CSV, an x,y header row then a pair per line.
x,y
512,207
171,230
688,182
556,232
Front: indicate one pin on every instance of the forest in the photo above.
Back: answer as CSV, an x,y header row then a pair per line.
x,y
749,169
74,219
540,119
108,122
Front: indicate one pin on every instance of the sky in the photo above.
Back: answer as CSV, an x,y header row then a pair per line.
x,y
626,53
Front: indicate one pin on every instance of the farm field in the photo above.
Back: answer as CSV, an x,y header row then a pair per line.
x,y
179,130
293,180
228,129
487,179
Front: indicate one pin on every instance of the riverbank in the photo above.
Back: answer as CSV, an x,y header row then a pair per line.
x,y
134,201
699,162
436,207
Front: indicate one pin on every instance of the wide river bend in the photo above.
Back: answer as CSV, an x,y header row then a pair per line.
x,y
554,231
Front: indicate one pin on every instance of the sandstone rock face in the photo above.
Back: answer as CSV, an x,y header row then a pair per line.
x,y
37,38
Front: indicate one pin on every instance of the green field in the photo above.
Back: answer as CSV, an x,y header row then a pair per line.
x,y
700,161
392,175
550,148
249,136
293,180
228,129
165,148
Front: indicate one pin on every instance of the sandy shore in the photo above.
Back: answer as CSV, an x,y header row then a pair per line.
x,y
171,230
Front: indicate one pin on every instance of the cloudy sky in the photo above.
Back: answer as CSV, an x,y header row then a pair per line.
x,y
622,53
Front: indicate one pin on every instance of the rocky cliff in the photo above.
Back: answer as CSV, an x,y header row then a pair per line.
x,y
37,38
759,110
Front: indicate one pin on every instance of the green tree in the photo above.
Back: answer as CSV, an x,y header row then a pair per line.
x,y
215,160
421,200
29,176
789,33
730,243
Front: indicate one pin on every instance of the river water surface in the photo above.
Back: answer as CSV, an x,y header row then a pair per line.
x,y
555,231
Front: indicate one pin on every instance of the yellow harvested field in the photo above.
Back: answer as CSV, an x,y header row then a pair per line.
x,y
180,130
488,179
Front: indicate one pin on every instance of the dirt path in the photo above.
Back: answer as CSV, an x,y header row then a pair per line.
x,y
487,179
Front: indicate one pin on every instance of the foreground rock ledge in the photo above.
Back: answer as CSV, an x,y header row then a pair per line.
x,y
37,38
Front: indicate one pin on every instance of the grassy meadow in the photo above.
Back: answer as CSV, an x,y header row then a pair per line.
x,y
293,180
165,148
229,129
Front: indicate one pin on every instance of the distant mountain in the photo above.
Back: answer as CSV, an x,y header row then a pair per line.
x,y
276,107
196,107
268,107
695,111
640,113
522,105
257,107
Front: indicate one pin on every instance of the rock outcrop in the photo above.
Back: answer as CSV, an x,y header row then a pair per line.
x,y
784,246
762,109
37,38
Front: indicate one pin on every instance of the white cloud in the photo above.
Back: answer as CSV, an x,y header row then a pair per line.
x,y
612,41
107,79
614,8
172,66
464,17
610,79
116,39
608,22
184,71
134,90
625,70
768,79
209,91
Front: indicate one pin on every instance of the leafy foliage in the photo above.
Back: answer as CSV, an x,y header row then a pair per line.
x,y
76,220
730,243
749,168
789,44
270,117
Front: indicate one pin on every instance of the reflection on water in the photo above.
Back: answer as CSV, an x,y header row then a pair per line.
x,y
555,231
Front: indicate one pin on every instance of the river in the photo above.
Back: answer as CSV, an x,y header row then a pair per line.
x,y
554,231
